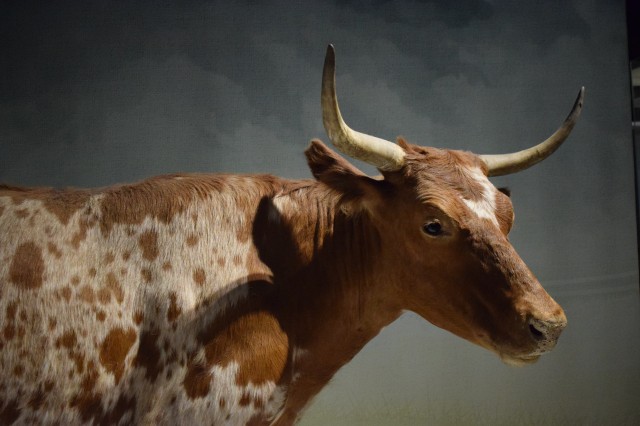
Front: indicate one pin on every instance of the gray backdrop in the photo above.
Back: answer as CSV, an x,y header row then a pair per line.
x,y
94,93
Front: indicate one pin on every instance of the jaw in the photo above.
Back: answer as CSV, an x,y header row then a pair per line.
x,y
508,357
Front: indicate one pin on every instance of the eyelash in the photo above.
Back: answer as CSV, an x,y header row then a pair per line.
x,y
432,228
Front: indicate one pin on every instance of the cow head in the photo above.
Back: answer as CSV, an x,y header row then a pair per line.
x,y
444,232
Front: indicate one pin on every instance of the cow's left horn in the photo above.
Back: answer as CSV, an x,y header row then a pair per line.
x,y
381,153
505,164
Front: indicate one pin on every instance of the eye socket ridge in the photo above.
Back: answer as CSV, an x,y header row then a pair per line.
x,y
433,228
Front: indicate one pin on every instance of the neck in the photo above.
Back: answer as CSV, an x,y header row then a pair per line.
x,y
332,300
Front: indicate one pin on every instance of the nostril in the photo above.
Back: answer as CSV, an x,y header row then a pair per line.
x,y
537,334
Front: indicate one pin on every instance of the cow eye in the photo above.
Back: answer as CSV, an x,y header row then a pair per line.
x,y
433,228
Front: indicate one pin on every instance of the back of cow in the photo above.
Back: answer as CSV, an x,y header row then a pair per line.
x,y
103,296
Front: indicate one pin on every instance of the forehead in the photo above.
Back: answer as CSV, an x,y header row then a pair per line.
x,y
438,170
455,182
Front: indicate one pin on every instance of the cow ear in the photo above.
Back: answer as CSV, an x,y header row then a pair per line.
x,y
337,173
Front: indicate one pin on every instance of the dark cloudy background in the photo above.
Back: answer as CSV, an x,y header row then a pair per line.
x,y
95,93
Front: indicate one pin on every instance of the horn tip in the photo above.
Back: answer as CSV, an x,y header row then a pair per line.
x,y
331,50
581,95
579,100
330,57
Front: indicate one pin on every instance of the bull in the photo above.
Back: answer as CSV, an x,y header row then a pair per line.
x,y
233,299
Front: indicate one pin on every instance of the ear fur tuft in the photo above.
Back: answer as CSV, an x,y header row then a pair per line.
x,y
402,143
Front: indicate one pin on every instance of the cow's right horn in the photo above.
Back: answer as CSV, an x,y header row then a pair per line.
x,y
381,153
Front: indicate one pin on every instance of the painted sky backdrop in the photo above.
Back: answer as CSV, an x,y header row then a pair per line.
x,y
101,92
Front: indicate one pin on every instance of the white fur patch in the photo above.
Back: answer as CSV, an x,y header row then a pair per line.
x,y
485,208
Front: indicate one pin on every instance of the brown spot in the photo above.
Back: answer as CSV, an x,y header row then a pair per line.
x,y
237,260
66,293
166,266
101,316
90,378
114,350
104,295
9,331
27,267
222,403
81,234
109,258
78,359
52,324
54,250
36,400
149,244
32,219
18,370
192,240
22,213
221,262
68,340
245,228
245,399
148,354
146,275
86,294
10,412
138,317
174,310
199,276
114,285
62,203
122,407
88,403
197,380
126,255
258,403
93,272
75,280
12,308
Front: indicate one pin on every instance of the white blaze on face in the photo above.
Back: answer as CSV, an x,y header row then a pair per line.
x,y
485,207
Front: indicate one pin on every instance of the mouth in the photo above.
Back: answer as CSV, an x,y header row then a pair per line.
x,y
518,361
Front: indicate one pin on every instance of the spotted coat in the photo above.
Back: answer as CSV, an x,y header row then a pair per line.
x,y
228,299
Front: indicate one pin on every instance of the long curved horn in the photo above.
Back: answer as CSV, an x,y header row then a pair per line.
x,y
504,164
381,153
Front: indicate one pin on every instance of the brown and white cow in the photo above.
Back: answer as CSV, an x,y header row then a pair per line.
x,y
230,299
